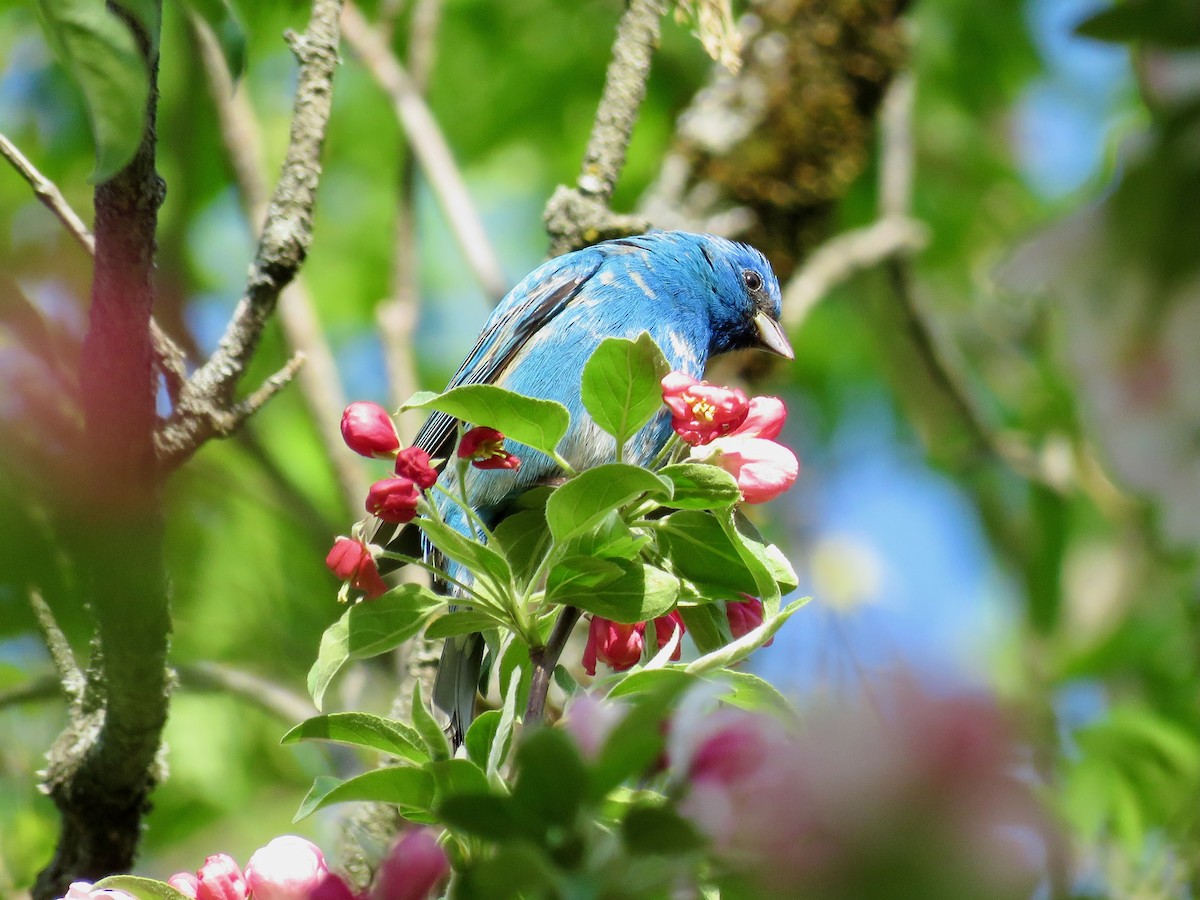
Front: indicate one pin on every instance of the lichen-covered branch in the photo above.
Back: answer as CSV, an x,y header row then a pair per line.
x,y
206,406
318,379
104,764
578,216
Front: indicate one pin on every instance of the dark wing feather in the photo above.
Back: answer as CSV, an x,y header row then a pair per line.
x,y
533,303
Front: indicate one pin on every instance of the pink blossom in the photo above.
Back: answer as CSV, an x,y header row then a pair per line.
x,y
393,500
368,430
413,463
589,720
186,883
413,870
351,561
485,448
764,419
701,411
617,645
744,616
220,878
762,468
664,630
288,868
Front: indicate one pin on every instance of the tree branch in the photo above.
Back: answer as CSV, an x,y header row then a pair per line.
x,y
206,408
104,764
318,379
431,149
576,217
170,356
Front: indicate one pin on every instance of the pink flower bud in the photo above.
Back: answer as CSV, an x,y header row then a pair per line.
x,y
332,888
763,469
664,629
220,878
413,869
413,463
351,561
393,500
485,448
764,419
368,430
186,883
589,720
617,645
744,616
288,868
701,411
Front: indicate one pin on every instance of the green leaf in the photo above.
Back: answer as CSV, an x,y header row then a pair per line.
x,y
102,56
493,577
480,736
487,816
753,693
611,538
362,730
408,788
139,888
227,28
539,424
551,781
641,592
431,732
514,661
702,551
523,538
636,741
745,645
701,486
369,628
452,777
658,830
504,729
705,624
1167,24
590,496
579,574
461,621
620,385
515,871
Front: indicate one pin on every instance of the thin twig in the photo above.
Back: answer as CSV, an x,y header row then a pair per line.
x,y
273,698
48,193
431,149
206,408
844,255
397,316
544,660
576,217
70,676
318,379
170,356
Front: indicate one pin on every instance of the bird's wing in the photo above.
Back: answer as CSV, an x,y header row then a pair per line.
x,y
526,309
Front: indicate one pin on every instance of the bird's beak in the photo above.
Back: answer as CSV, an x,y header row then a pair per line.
x,y
771,336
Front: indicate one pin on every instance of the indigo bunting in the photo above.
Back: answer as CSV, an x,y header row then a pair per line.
x,y
697,296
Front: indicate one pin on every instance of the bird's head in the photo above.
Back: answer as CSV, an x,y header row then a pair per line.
x,y
745,301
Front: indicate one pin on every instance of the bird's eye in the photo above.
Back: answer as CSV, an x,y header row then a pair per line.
x,y
752,280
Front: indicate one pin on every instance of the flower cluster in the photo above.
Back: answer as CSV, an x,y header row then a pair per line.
x,y
292,868
727,430
368,429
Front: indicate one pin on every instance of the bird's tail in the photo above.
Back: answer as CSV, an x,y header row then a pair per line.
x,y
457,682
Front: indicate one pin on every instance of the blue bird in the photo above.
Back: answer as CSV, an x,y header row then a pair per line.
x,y
697,296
